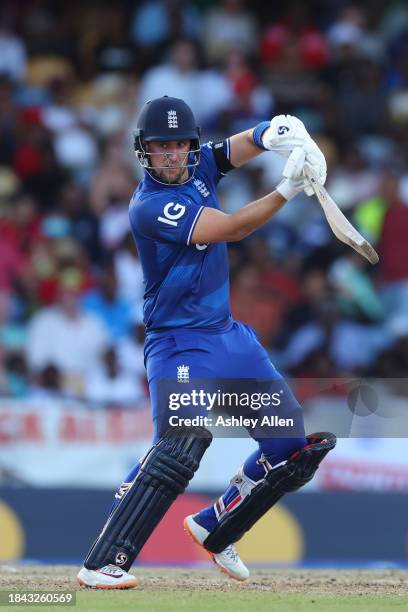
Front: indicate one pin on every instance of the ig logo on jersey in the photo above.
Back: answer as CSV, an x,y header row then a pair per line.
x,y
172,212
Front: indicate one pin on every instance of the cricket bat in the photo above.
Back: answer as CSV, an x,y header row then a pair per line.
x,y
340,226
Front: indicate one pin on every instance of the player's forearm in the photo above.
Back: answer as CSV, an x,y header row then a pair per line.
x,y
243,148
252,216
215,226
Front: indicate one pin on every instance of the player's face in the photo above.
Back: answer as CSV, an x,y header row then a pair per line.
x,y
168,159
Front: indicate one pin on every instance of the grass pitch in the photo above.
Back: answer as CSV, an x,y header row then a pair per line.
x,y
165,589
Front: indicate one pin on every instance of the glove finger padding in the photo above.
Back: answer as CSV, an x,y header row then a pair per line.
x,y
294,178
315,158
294,166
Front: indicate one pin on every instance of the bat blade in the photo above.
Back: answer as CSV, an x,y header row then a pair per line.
x,y
340,225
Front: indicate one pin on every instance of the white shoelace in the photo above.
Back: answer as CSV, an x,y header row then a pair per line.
x,y
232,553
112,570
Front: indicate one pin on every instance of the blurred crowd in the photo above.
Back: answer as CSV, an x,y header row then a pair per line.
x,y
72,78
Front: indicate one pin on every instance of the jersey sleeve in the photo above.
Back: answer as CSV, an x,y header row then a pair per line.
x,y
215,160
167,220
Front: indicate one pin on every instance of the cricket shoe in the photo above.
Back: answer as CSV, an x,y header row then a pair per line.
x,y
107,577
227,561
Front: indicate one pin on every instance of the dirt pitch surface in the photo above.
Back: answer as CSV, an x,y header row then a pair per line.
x,y
325,582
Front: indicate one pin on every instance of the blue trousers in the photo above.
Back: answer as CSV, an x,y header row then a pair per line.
x,y
212,359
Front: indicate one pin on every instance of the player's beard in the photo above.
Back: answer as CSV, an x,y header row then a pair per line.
x,y
166,175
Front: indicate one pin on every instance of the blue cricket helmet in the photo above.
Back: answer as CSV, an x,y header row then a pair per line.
x,y
164,119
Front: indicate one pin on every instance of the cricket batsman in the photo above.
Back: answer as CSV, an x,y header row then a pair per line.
x,y
181,236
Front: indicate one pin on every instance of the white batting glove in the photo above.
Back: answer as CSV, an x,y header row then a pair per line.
x,y
294,179
284,134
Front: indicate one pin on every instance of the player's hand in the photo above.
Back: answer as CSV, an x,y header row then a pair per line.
x,y
294,180
284,134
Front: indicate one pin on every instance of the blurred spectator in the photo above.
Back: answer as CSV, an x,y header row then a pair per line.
x,y
113,181
292,86
114,224
159,21
393,250
35,161
12,331
107,105
369,214
48,383
278,279
110,308
351,346
57,260
353,181
391,364
76,150
294,28
398,97
47,34
11,261
114,53
8,121
16,374
74,144
25,221
180,77
346,35
253,101
12,52
235,191
66,336
229,26
398,328
254,306
4,390
394,20
83,223
59,115
130,351
314,290
129,274
112,386
363,103
356,295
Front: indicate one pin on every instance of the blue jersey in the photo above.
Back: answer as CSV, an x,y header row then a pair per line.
x,y
186,285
